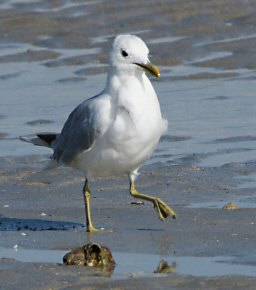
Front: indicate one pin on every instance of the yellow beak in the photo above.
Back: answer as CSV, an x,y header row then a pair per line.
x,y
150,68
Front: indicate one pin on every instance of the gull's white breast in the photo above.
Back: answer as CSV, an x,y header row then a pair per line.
x,y
135,126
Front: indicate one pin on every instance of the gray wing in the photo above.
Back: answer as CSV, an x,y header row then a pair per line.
x,y
77,135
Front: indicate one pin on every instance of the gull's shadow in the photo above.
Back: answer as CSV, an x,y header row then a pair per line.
x,y
15,224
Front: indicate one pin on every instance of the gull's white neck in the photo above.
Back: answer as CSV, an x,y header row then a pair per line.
x,y
134,92
118,79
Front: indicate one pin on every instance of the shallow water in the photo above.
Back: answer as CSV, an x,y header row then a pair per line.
x,y
248,181
136,264
206,89
216,117
206,92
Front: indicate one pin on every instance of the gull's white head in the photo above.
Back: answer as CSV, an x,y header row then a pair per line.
x,y
130,54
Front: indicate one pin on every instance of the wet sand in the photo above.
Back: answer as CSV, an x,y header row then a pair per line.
x,y
48,209
43,210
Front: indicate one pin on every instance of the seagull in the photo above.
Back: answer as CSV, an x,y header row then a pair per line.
x,y
116,131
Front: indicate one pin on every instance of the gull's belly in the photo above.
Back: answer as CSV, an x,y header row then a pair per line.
x,y
119,152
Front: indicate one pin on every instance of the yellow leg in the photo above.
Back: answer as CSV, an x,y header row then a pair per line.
x,y
162,208
87,194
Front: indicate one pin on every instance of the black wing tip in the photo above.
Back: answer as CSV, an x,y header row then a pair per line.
x,y
48,138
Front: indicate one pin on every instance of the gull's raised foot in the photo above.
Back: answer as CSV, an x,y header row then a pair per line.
x,y
163,209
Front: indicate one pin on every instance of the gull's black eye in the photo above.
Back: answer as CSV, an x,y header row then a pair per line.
x,y
124,53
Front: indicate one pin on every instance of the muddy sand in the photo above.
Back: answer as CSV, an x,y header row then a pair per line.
x,y
201,165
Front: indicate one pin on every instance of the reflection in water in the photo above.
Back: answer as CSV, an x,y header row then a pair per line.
x,y
127,264
100,257
164,267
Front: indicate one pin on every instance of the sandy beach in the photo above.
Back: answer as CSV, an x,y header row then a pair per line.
x,y
53,54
